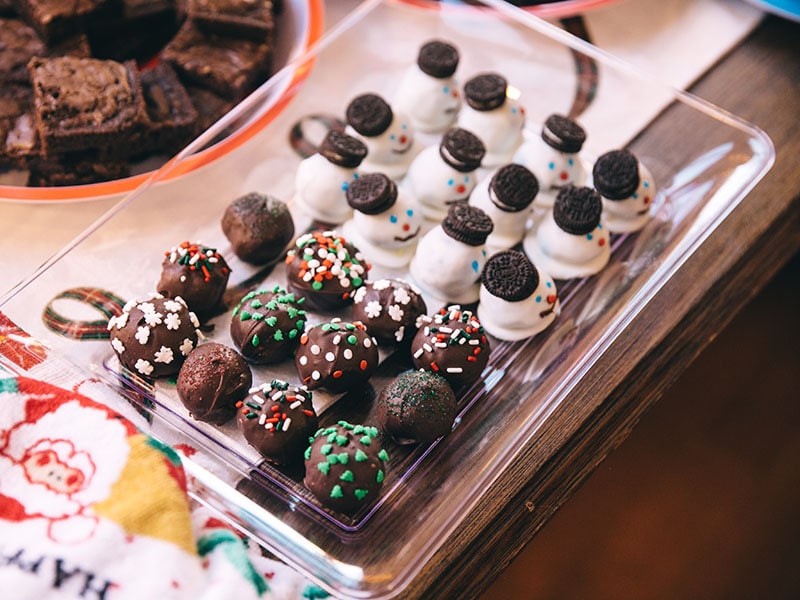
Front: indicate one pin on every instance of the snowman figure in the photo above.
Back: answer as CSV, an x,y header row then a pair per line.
x,y
493,116
627,188
428,92
445,174
388,135
386,222
506,196
554,157
450,257
322,179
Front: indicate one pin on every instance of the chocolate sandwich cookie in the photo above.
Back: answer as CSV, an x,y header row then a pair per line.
x,y
345,466
468,224
342,149
211,381
577,209
372,193
616,174
258,226
563,134
196,273
513,188
369,114
462,149
486,91
510,275
438,59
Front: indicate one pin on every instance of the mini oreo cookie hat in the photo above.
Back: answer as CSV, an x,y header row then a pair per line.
x,y
616,174
438,59
372,193
513,188
342,149
462,149
369,114
563,134
510,275
577,209
467,224
486,91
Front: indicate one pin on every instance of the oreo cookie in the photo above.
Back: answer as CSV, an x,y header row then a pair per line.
x,y
438,59
462,149
513,188
372,193
563,134
369,114
577,209
486,91
616,174
510,275
467,224
342,149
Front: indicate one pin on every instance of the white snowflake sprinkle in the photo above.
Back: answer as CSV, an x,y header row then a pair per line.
x,y
164,355
142,334
117,344
186,346
373,309
172,306
359,295
152,318
381,284
399,333
147,307
402,296
396,312
173,321
143,366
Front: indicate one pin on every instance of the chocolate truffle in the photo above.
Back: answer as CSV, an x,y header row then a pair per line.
x,y
259,227
336,356
345,466
211,381
266,325
277,419
325,268
389,309
416,406
153,337
196,273
452,343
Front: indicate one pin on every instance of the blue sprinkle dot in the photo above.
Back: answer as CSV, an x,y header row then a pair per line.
x,y
589,236
450,182
446,89
599,225
514,110
393,218
538,298
475,265
404,127
355,175
551,166
410,212
466,179
646,183
571,162
635,195
345,185
392,137
483,252
549,284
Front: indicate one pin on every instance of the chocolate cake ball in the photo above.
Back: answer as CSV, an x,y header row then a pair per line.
x,y
277,419
389,309
336,356
326,269
259,227
266,325
196,273
211,381
416,406
452,343
153,337
345,466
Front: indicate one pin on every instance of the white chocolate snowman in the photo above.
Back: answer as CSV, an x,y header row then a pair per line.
x,y
506,196
449,259
322,179
387,134
627,188
495,118
386,222
443,175
554,157
571,241
428,92
517,300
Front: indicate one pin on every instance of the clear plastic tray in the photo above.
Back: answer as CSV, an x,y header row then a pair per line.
x,y
429,490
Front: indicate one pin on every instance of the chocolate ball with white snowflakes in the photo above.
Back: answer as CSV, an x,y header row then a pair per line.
x,y
389,309
153,337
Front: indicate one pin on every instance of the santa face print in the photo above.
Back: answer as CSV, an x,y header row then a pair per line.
x,y
44,467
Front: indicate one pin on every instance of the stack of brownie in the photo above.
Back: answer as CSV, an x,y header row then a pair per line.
x,y
90,87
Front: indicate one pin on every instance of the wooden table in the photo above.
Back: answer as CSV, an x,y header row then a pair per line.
x,y
759,81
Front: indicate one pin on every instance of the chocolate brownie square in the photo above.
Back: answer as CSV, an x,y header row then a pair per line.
x,y
86,103
55,20
250,19
75,169
19,141
227,66
172,117
210,107
7,8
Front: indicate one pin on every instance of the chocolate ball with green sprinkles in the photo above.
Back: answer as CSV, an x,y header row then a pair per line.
x,y
336,355
345,466
267,324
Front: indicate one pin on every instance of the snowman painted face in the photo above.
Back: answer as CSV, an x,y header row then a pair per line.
x,y
563,168
459,186
545,296
516,115
395,228
449,99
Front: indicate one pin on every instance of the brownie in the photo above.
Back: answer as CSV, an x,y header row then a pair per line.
x,y
210,107
172,117
135,30
7,8
227,66
80,168
249,19
86,103
19,141
55,20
